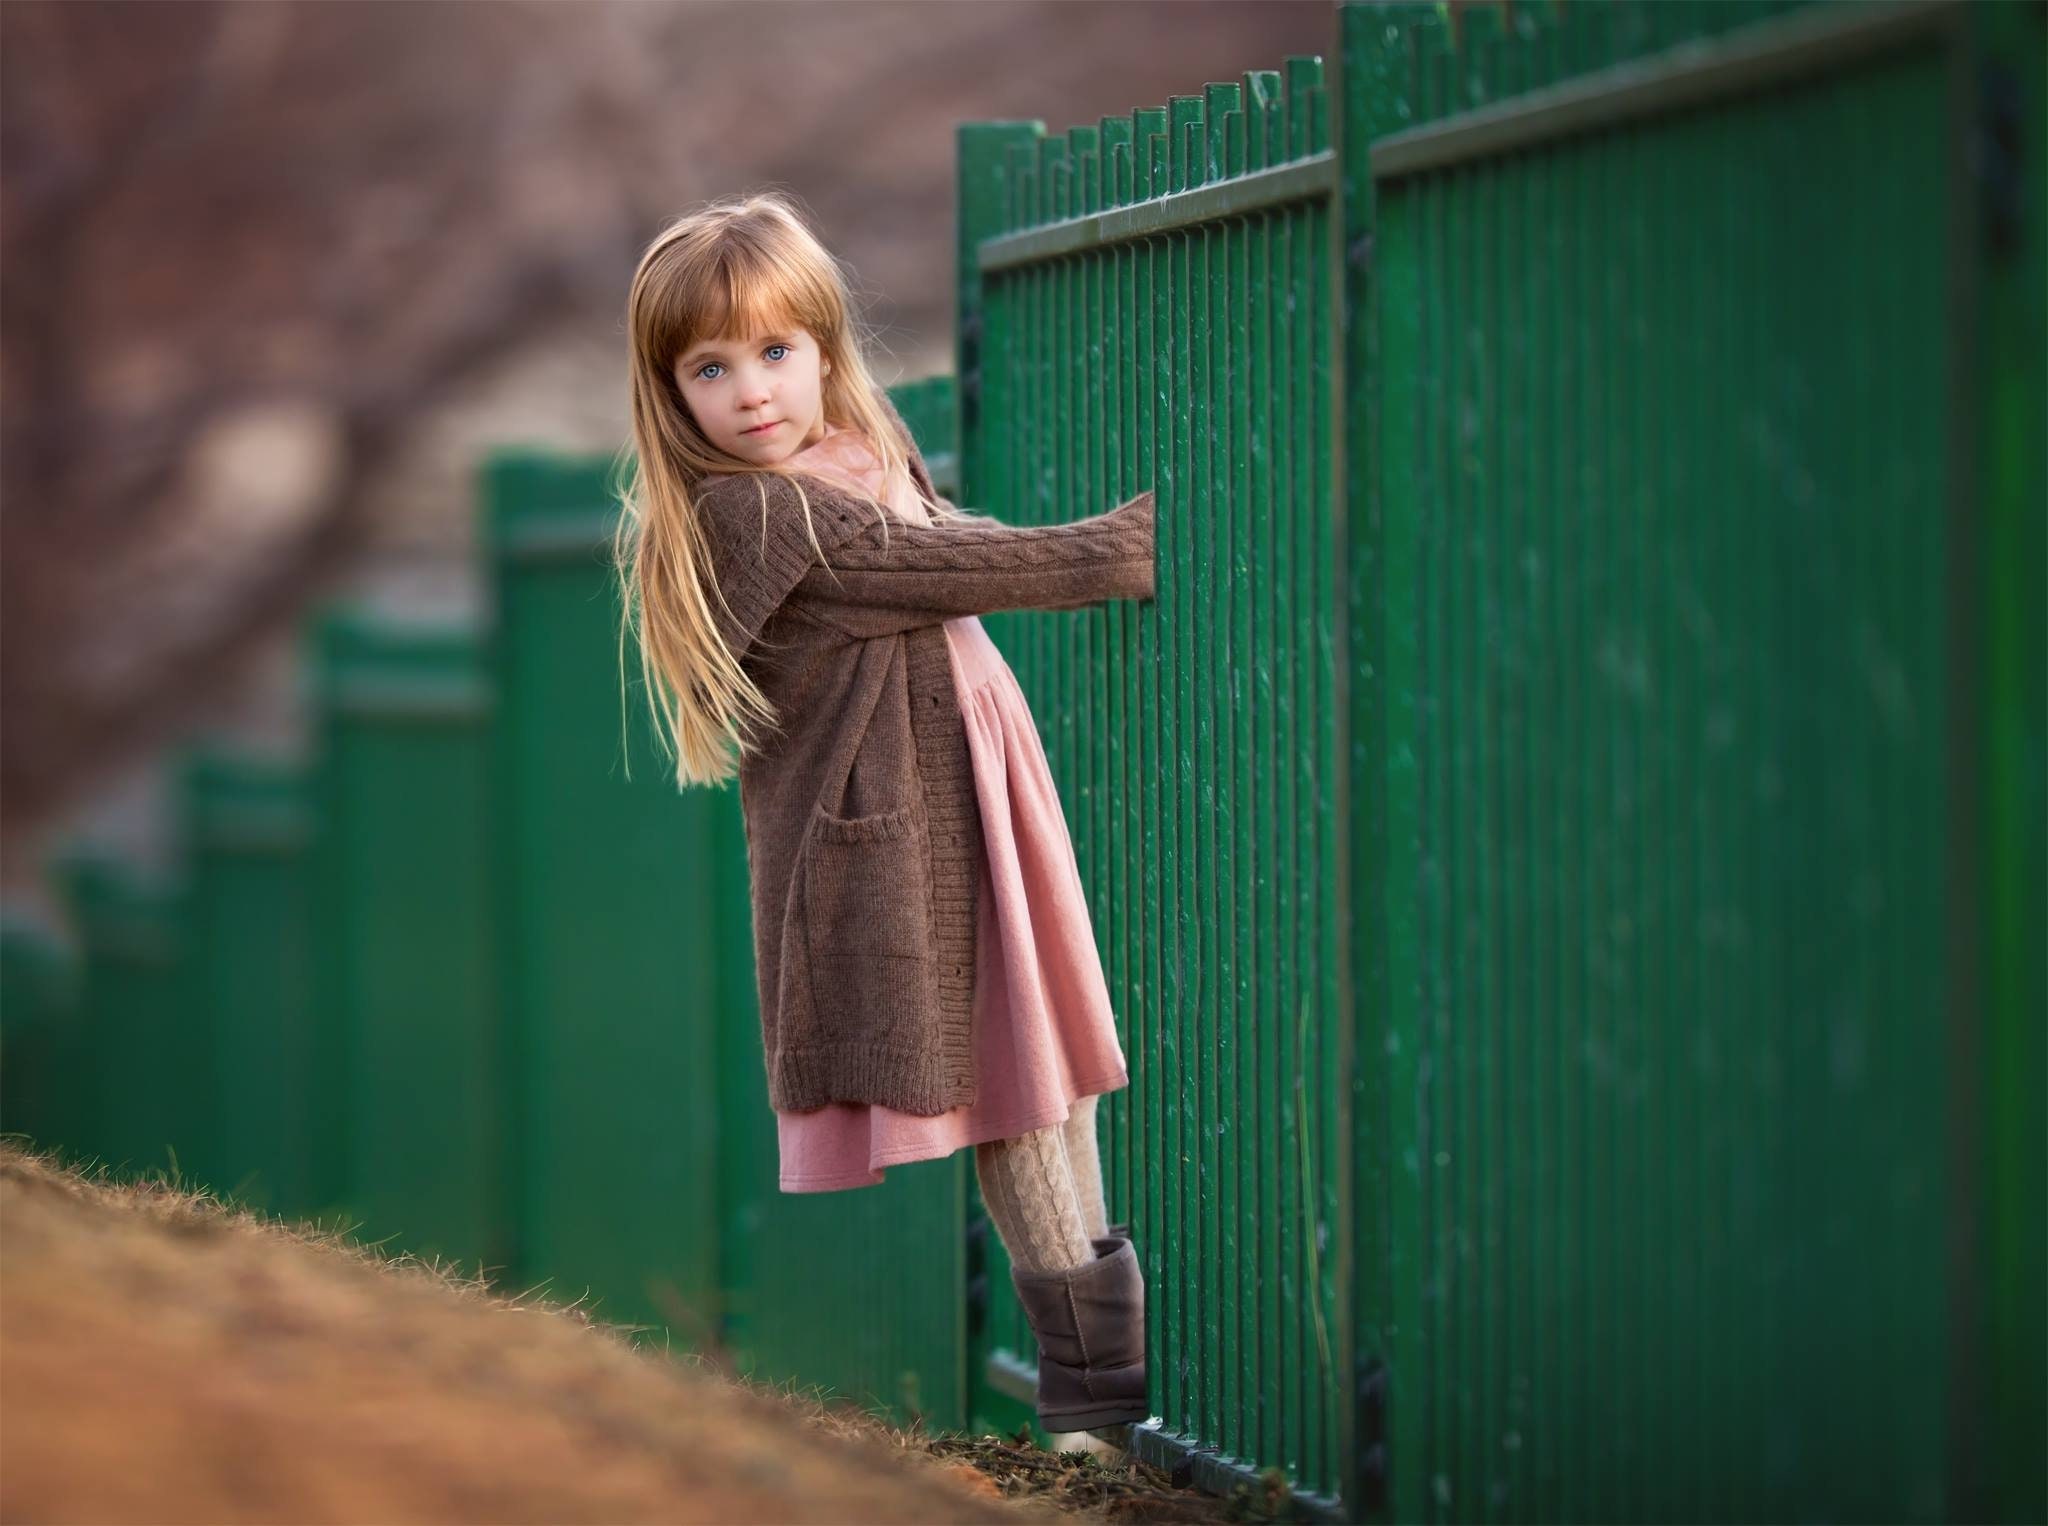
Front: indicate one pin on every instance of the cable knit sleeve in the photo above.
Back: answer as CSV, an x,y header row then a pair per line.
x,y
760,547
899,576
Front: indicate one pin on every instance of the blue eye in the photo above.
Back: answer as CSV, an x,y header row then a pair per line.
x,y
710,363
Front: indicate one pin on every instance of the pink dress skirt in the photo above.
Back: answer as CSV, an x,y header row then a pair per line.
x,y
1044,1032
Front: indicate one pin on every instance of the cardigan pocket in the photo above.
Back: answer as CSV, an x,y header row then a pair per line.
x,y
867,924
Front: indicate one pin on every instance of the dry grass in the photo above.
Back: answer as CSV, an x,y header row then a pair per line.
x,y
168,1358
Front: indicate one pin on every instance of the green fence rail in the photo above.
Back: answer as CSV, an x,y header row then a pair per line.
x,y
1566,844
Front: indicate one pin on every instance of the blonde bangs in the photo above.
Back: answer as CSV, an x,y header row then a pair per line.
x,y
739,290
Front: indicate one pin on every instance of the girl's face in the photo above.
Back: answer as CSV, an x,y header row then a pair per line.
x,y
761,400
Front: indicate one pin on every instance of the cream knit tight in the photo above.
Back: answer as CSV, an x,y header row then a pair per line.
x,y
1084,1164
1044,1191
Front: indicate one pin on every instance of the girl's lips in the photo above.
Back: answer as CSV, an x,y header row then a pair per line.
x,y
762,430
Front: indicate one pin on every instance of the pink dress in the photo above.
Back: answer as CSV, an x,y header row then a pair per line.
x,y
1044,1035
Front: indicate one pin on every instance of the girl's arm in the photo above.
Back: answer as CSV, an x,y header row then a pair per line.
x,y
927,573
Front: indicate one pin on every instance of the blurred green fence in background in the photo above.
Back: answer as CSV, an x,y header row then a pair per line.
x,y
1566,844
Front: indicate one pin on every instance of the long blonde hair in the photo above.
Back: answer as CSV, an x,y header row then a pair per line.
x,y
727,270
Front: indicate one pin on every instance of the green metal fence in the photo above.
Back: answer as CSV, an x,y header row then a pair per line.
x,y
1147,302
1566,843
1653,681
1671,803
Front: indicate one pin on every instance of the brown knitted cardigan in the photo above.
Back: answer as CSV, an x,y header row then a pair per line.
x,y
863,830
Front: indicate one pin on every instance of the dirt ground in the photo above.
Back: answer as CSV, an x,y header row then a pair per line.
x,y
166,1359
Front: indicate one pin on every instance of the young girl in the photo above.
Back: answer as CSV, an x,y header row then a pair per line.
x,y
928,972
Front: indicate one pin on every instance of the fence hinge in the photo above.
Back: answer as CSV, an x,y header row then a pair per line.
x,y
1997,155
1371,1402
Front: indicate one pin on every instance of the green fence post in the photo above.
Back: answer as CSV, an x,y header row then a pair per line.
x,y
39,1058
610,899
148,1083
246,835
2009,150
412,1039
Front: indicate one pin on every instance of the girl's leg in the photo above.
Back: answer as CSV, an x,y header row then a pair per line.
x,y
1086,1307
1084,1159
1030,1197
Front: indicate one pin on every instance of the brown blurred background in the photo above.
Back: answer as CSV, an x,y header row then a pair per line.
x,y
272,276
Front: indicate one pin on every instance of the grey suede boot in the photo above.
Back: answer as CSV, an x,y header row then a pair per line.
x,y
1089,1322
